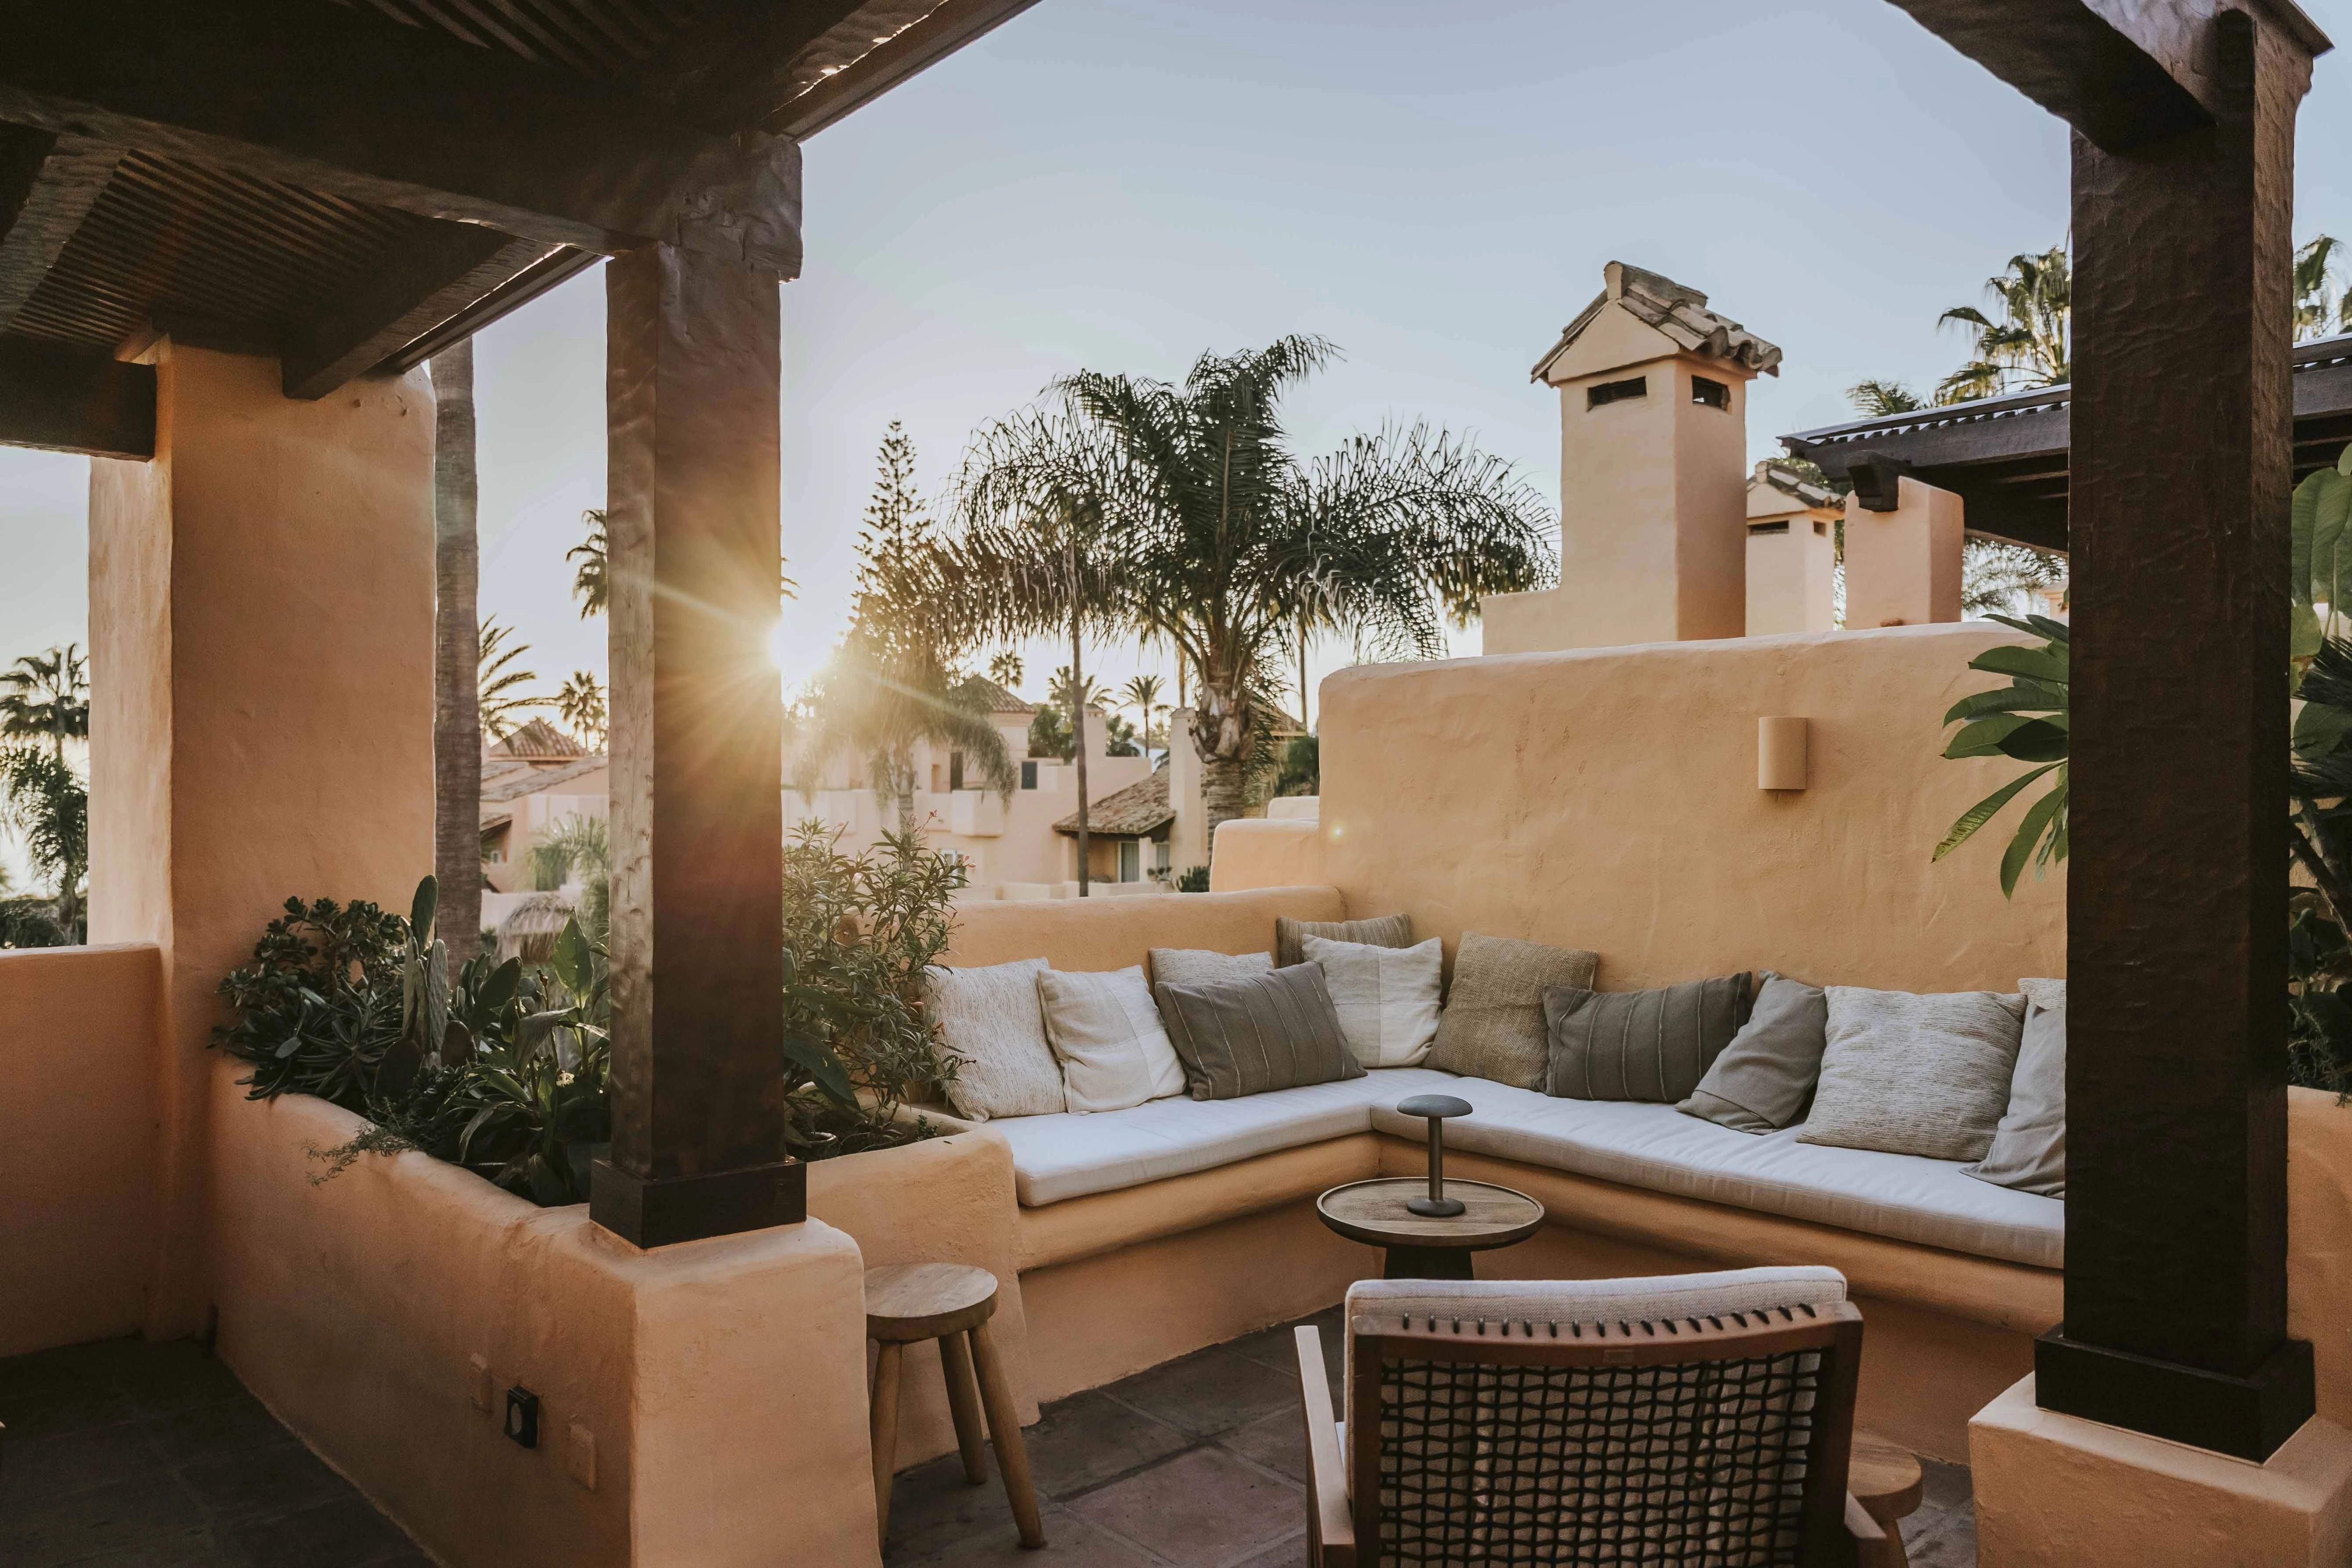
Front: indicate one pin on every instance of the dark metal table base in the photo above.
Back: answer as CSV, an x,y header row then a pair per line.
x,y
1427,1263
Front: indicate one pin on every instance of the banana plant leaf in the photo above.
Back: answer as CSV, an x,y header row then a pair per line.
x,y
2046,664
1985,810
825,1069
2011,735
2042,819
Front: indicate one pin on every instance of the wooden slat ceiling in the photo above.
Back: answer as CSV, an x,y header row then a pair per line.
x,y
207,253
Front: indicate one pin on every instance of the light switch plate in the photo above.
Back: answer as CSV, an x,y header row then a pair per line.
x,y
579,1456
478,1381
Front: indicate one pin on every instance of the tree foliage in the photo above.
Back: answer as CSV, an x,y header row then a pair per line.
x,y
504,704
2027,346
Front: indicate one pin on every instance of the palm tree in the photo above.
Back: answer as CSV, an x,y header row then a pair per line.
x,y
2320,307
1204,529
1006,670
1875,397
1142,694
45,704
459,648
893,683
581,703
496,685
588,583
2029,344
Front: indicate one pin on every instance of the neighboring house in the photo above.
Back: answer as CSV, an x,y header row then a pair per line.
x,y
1128,831
1793,527
532,780
1010,847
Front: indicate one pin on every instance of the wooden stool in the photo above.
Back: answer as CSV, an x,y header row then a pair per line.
x,y
949,1302
1886,1481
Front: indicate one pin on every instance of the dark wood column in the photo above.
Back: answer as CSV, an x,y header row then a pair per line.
x,y
2176,1213
693,363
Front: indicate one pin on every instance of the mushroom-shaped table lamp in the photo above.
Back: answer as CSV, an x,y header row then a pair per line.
x,y
1436,1107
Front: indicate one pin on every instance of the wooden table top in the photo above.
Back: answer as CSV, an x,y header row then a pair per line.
x,y
1374,1213
1884,1479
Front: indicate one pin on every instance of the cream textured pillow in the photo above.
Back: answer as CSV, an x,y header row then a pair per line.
x,y
1107,1031
992,1029
1915,1075
1386,996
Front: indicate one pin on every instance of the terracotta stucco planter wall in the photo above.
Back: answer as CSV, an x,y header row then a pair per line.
x,y
77,1142
714,1392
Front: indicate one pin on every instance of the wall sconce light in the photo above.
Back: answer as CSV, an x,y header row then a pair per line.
x,y
1781,753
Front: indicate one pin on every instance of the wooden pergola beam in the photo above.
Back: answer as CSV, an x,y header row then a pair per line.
x,y
60,398
47,185
939,34
447,270
328,99
2181,459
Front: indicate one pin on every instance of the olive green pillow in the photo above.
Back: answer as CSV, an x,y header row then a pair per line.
x,y
1493,1025
1650,1046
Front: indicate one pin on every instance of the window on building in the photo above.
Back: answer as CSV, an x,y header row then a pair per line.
x,y
1820,528
1755,529
955,770
1616,391
1714,394
1028,775
1130,861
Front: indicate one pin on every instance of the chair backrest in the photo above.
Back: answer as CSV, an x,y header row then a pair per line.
x,y
1696,1420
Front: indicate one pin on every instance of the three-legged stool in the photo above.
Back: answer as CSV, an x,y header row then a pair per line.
x,y
949,1302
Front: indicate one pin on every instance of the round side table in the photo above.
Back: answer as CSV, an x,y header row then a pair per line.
x,y
1887,1482
1421,1247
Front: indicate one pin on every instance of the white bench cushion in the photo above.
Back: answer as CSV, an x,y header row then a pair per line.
x,y
1063,1156
1656,1147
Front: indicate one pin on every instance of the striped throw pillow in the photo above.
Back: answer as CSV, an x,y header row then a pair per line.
x,y
1641,1044
1274,1030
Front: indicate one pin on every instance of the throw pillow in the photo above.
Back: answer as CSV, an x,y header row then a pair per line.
x,y
1198,966
1915,1075
1274,1030
1113,1050
1386,930
2029,1147
1386,997
1762,1079
1493,1025
992,1029
1651,1046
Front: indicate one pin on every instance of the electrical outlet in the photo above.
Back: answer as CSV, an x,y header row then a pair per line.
x,y
580,1456
478,1381
522,1416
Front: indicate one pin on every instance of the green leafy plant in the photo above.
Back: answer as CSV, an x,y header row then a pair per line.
x,y
1192,880
2027,720
320,1006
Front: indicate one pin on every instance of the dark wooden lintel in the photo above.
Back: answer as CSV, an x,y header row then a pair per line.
x,y
939,33
47,185
2119,91
446,269
324,98
66,399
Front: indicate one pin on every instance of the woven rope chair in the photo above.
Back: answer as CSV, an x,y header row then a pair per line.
x,y
1701,1420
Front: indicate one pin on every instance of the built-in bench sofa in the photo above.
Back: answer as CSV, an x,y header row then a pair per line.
x,y
1147,1233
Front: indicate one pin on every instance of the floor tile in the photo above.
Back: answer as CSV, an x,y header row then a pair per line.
x,y
1948,1542
223,1427
1278,1441
1068,1539
1208,1392
125,1512
1946,1485
273,1479
1205,1508
178,1375
1091,1438
57,1464
345,1533
932,1507
1290,1553
186,1549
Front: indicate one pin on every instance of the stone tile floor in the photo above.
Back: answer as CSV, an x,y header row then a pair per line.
x,y
1199,1464
123,1454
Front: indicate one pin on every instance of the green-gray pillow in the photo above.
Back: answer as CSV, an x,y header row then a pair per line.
x,y
1493,1025
1651,1046
1384,930
1762,1079
1273,1030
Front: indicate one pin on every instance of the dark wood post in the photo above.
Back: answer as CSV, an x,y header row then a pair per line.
x,y
692,369
2176,1214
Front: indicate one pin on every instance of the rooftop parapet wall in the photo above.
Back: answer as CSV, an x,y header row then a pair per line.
x,y
1607,798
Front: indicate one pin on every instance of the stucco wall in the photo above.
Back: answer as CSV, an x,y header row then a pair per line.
x,y
1112,933
77,1142
1607,799
261,618
721,1382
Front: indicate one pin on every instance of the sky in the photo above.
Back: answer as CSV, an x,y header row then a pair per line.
x,y
1122,185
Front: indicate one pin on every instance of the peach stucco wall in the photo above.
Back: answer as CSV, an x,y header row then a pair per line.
x,y
77,1142
1607,799
261,618
1112,933
717,1384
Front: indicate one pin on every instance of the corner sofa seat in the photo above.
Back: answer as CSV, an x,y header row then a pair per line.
x,y
1905,1197
1063,1156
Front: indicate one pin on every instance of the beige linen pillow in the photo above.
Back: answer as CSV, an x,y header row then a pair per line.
x,y
1382,931
1915,1074
1386,996
1493,1025
1104,1029
992,1029
1200,966
2029,1147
